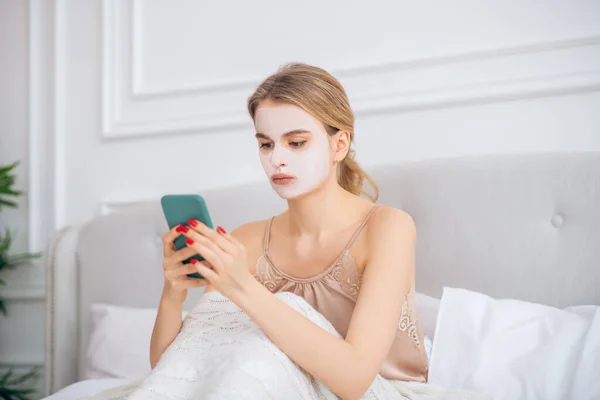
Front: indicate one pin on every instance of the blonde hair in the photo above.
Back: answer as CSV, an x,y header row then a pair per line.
x,y
318,93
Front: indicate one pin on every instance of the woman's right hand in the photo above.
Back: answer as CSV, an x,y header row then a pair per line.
x,y
177,282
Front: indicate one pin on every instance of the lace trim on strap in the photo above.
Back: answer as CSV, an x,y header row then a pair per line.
x,y
408,319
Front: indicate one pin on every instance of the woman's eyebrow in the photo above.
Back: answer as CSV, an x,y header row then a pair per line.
x,y
260,135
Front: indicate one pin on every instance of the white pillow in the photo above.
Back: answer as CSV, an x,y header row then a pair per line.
x,y
119,344
427,312
428,345
583,311
510,349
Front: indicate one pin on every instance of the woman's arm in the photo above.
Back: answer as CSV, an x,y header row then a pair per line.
x,y
347,367
166,327
168,320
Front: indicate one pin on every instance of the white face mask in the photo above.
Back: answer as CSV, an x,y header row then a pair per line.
x,y
304,157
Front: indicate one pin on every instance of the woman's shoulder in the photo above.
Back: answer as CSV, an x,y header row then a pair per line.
x,y
389,222
252,236
390,237
251,232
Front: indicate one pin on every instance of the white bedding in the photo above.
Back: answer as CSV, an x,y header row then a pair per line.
x,y
118,345
510,349
86,388
221,353
506,349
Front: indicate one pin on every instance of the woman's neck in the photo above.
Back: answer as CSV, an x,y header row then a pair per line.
x,y
319,212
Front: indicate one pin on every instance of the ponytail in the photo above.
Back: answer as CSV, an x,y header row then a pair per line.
x,y
352,177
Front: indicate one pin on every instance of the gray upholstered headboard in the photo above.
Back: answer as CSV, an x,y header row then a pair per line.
x,y
513,226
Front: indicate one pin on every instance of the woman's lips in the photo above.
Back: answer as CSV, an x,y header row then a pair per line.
x,y
282,179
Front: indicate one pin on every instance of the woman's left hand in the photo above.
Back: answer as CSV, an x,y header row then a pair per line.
x,y
229,274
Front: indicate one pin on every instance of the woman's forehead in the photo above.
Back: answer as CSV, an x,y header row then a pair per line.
x,y
277,119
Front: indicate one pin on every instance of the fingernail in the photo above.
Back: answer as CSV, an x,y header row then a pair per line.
x,y
189,241
183,229
221,230
179,228
193,261
193,222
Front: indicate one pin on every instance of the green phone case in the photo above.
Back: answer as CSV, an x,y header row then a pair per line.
x,y
178,210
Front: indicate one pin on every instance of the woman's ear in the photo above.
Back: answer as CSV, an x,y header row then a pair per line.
x,y
341,145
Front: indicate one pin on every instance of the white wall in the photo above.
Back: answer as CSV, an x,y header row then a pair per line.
x,y
144,98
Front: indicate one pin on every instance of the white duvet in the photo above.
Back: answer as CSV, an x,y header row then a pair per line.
x,y
221,354
501,349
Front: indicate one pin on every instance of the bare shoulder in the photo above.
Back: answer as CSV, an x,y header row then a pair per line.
x,y
390,241
250,231
251,235
390,222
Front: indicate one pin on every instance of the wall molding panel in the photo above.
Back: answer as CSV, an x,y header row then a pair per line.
x,y
135,107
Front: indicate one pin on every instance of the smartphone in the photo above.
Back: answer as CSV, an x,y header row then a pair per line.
x,y
178,210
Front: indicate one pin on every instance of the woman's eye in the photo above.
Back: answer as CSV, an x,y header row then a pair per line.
x,y
297,144
265,145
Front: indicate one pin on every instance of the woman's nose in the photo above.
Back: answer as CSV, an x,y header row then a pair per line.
x,y
278,158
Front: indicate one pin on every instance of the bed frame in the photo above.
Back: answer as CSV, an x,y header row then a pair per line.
x,y
524,226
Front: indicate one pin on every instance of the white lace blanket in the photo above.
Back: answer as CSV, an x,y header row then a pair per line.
x,y
221,354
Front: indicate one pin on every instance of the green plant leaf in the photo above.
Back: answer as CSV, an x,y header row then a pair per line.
x,y
7,203
15,394
6,377
8,168
4,244
7,180
11,385
16,260
20,259
19,380
5,241
10,192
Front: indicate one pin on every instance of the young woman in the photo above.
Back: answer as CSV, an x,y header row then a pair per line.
x,y
316,302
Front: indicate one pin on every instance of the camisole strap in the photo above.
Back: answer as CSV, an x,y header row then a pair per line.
x,y
267,235
360,228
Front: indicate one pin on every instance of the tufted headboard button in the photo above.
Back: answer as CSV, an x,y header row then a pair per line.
x,y
557,220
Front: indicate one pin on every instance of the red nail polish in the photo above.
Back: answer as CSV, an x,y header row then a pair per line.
x,y
184,229
221,230
189,241
178,229
193,222
193,261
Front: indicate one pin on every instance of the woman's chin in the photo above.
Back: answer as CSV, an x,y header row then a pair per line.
x,y
288,196
287,193
292,195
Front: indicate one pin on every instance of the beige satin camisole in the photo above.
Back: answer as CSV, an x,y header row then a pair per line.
x,y
334,293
